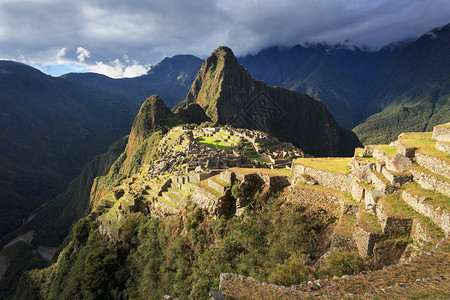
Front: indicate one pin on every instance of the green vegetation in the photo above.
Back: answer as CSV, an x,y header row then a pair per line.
x,y
21,258
342,263
369,222
275,242
345,226
394,206
434,198
213,142
333,164
424,143
390,151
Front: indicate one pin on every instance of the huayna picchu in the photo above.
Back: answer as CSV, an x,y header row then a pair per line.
x,y
229,95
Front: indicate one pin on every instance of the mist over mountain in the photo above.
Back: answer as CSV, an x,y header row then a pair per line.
x,y
401,81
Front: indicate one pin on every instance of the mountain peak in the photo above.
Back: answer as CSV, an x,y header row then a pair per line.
x,y
229,95
153,113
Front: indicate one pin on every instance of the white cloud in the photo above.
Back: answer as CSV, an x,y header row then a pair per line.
x,y
82,54
60,55
117,69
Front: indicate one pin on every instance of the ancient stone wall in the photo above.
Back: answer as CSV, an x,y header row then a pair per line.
x,y
365,241
393,227
331,204
205,200
434,164
431,183
443,146
438,216
442,133
323,177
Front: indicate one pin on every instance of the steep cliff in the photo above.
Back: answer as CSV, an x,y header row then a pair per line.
x,y
229,95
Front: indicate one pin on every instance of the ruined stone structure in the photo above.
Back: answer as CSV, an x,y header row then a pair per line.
x,y
380,196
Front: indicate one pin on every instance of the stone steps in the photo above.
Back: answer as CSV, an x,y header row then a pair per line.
x,y
397,179
382,184
430,180
171,198
177,192
217,184
429,205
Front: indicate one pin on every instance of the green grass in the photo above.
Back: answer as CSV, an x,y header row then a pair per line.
x,y
425,144
272,172
382,178
213,143
390,151
259,159
415,166
446,125
333,164
346,226
217,179
394,206
369,222
358,151
434,198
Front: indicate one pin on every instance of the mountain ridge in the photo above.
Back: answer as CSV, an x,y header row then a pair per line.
x,y
229,95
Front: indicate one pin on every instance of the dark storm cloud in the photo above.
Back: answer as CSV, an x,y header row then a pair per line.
x,y
117,34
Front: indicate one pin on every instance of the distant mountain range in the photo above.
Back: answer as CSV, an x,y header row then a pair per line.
x,y
51,126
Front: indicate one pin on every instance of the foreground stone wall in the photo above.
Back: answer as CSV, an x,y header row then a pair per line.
x,y
431,183
438,216
329,203
326,178
443,146
365,241
434,164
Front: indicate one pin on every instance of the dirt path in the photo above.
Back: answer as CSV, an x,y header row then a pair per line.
x,y
46,252
26,237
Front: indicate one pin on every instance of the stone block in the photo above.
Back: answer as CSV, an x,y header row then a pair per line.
x,y
380,184
365,241
442,133
371,200
398,163
443,146
437,215
363,173
379,165
433,164
358,192
397,179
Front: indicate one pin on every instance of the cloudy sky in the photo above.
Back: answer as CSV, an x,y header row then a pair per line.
x,y
124,38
